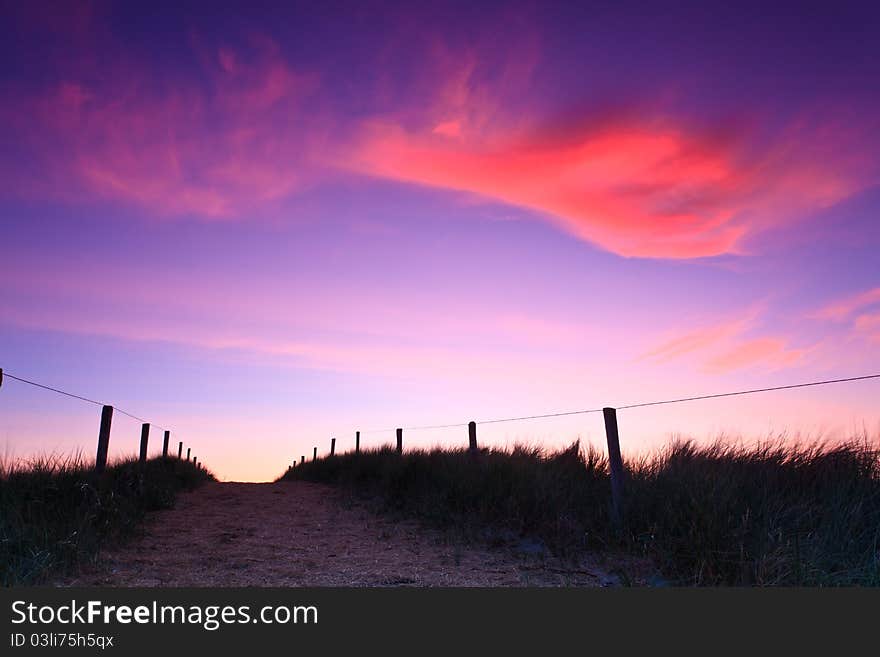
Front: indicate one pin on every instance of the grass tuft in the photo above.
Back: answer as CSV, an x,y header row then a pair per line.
x,y
56,513
767,515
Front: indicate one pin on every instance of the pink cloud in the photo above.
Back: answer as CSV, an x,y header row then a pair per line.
x,y
843,308
249,131
301,324
696,340
769,352
868,325
217,151
859,312
725,347
362,354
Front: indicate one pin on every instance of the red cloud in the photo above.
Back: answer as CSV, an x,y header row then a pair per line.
x,y
636,187
247,132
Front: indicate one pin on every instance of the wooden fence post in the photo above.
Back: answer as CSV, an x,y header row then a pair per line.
x,y
400,441
145,437
332,446
165,444
302,459
188,450
472,435
615,462
180,449
315,454
357,442
103,439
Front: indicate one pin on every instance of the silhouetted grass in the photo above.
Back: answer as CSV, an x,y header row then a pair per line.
x,y
773,514
55,513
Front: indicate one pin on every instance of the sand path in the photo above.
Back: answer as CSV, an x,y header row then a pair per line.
x,y
304,534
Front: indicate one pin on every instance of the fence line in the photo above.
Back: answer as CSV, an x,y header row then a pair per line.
x,y
615,460
628,406
106,421
609,414
456,425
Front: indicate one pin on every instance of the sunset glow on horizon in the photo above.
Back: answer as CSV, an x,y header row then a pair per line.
x,y
262,230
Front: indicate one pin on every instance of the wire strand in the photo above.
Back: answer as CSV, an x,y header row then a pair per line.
x,y
436,426
458,425
537,417
133,417
507,419
80,397
60,392
749,392
628,406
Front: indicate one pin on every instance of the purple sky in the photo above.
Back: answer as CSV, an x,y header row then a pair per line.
x,y
260,228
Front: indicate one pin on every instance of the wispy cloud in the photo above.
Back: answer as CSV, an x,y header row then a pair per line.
x,y
728,346
641,181
859,313
868,325
769,352
842,309
696,340
217,150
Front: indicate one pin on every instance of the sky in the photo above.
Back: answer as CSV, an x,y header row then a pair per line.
x,y
263,227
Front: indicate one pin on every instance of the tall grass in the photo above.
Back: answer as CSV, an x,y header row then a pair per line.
x,y
720,514
56,514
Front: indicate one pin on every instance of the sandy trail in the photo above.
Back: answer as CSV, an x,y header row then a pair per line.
x,y
303,534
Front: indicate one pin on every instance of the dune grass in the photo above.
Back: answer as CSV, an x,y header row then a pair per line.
x,y
56,514
767,515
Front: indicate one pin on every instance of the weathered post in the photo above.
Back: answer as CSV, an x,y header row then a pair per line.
x,y
357,442
472,436
103,439
188,450
302,459
165,444
400,441
145,437
615,462
180,449
315,454
332,446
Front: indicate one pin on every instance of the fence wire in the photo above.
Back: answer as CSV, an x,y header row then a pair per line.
x,y
457,425
6,374
629,406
